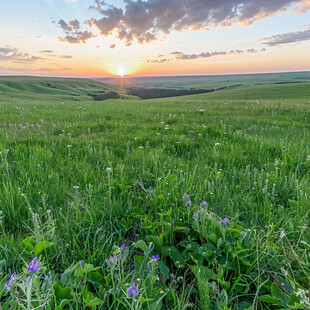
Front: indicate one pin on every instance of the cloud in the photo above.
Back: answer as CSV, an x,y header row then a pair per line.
x,y
51,54
46,52
77,37
182,56
149,20
160,61
13,54
286,38
73,33
112,46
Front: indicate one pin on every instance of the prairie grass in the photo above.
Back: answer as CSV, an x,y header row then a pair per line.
x,y
80,178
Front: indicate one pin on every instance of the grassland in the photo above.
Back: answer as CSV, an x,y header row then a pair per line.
x,y
79,178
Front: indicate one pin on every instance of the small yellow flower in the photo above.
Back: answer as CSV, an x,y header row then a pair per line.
x,y
219,172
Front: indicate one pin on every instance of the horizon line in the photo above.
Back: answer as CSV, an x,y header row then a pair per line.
x,y
147,76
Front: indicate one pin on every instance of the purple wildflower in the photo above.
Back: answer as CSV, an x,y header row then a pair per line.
x,y
81,263
123,246
212,214
107,261
307,146
28,278
132,290
8,285
185,196
189,202
221,222
196,214
152,191
34,266
226,220
122,256
157,257
203,203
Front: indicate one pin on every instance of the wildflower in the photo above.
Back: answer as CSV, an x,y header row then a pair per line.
x,y
221,222
157,257
203,203
152,191
28,278
107,261
122,256
185,196
132,290
34,266
226,220
154,259
81,263
212,214
189,202
307,146
123,246
8,285
76,187
219,172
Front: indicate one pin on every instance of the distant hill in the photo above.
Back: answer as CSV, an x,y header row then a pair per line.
x,y
61,88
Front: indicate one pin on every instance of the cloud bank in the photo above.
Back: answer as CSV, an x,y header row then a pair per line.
x,y
182,56
150,20
285,38
14,54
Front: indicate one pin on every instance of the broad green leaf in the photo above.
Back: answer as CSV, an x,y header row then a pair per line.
x,y
141,245
62,293
94,302
42,246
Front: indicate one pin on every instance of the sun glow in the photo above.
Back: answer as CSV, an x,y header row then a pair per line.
x,y
121,72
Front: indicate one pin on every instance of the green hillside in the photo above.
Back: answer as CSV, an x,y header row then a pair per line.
x,y
58,88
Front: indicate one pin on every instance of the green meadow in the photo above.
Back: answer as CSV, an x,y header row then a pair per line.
x,y
216,184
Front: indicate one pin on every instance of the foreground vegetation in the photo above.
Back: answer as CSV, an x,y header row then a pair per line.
x,y
195,202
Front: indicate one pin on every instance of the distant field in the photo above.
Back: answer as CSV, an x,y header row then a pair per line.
x,y
85,176
209,81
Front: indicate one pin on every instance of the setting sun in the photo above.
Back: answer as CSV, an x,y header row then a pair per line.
x,y
121,72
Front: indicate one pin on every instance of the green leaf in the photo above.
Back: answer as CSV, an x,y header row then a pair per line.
x,y
268,299
94,302
138,261
278,293
141,245
156,241
42,246
272,245
62,293
63,303
95,278
28,244
175,254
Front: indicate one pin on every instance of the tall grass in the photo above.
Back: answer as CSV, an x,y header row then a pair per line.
x,y
86,177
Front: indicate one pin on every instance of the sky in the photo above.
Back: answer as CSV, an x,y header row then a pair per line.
x,y
95,38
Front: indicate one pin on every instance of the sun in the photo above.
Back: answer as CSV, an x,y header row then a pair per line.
x,y
121,72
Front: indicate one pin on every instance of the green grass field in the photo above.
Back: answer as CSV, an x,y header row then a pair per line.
x,y
79,178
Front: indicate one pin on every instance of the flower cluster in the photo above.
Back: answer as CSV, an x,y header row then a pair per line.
x,y
34,266
154,259
186,198
113,259
132,290
8,285
225,221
